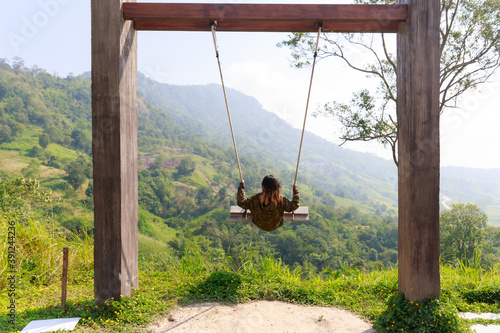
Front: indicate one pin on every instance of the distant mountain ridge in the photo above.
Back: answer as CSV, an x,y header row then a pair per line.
x,y
183,114
478,186
262,133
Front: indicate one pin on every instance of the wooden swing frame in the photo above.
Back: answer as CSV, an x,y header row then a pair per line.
x,y
114,119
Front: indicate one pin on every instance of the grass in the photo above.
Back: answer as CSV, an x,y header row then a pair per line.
x,y
347,203
167,281
150,247
27,139
49,173
196,179
162,232
62,152
38,251
11,162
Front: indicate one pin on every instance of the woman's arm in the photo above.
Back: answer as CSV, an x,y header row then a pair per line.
x,y
290,206
241,200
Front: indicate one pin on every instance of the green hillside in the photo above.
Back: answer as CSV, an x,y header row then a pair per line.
x,y
189,251
188,174
267,138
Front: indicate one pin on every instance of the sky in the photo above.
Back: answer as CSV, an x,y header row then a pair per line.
x,y
55,35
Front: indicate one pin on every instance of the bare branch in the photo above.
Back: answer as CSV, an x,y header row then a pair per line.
x,y
387,54
449,24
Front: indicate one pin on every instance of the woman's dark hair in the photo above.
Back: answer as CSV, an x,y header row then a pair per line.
x,y
270,191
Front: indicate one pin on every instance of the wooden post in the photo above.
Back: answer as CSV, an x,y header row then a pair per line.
x,y
64,278
418,149
114,149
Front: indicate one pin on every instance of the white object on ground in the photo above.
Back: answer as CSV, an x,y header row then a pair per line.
x,y
51,325
486,329
471,315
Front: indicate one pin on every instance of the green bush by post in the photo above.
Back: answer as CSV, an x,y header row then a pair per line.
x,y
427,316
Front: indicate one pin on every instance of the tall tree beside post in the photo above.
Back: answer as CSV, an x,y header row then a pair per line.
x,y
462,231
469,51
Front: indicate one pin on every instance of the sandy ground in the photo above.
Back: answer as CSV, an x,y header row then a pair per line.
x,y
262,317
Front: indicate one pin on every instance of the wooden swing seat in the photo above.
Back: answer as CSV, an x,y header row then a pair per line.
x,y
237,214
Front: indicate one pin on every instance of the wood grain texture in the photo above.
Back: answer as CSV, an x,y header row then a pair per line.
x,y
418,150
266,12
265,17
267,26
114,149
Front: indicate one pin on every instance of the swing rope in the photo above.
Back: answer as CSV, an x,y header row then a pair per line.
x,y
225,98
213,25
307,103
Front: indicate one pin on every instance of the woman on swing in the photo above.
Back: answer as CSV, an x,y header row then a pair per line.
x,y
268,207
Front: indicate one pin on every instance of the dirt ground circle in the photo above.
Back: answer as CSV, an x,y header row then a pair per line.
x,y
262,317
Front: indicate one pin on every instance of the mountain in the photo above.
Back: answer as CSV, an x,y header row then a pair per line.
x,y
478,186
266,143
264,136
188,173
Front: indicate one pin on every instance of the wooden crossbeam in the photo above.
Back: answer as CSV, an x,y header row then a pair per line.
x,y
265,17
265,26
237,214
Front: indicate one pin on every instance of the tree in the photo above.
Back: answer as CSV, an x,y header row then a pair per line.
x,y
89,192
470,54
32,169
222,193
44,140
80,141
156,164
204,193
186,167
78,225
5,132
204,196
35,151
18,196
462,231
162,187
78,171
17,128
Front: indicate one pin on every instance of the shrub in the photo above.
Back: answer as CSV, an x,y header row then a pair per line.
x,y
219,286
35,151
487,294
429,315
79,226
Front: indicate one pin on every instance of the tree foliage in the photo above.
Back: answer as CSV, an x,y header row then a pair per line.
x,y
44,140
462,231
185,167
470,55
19,195
78,171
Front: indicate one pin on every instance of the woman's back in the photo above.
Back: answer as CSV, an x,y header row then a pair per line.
x,y
269,206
